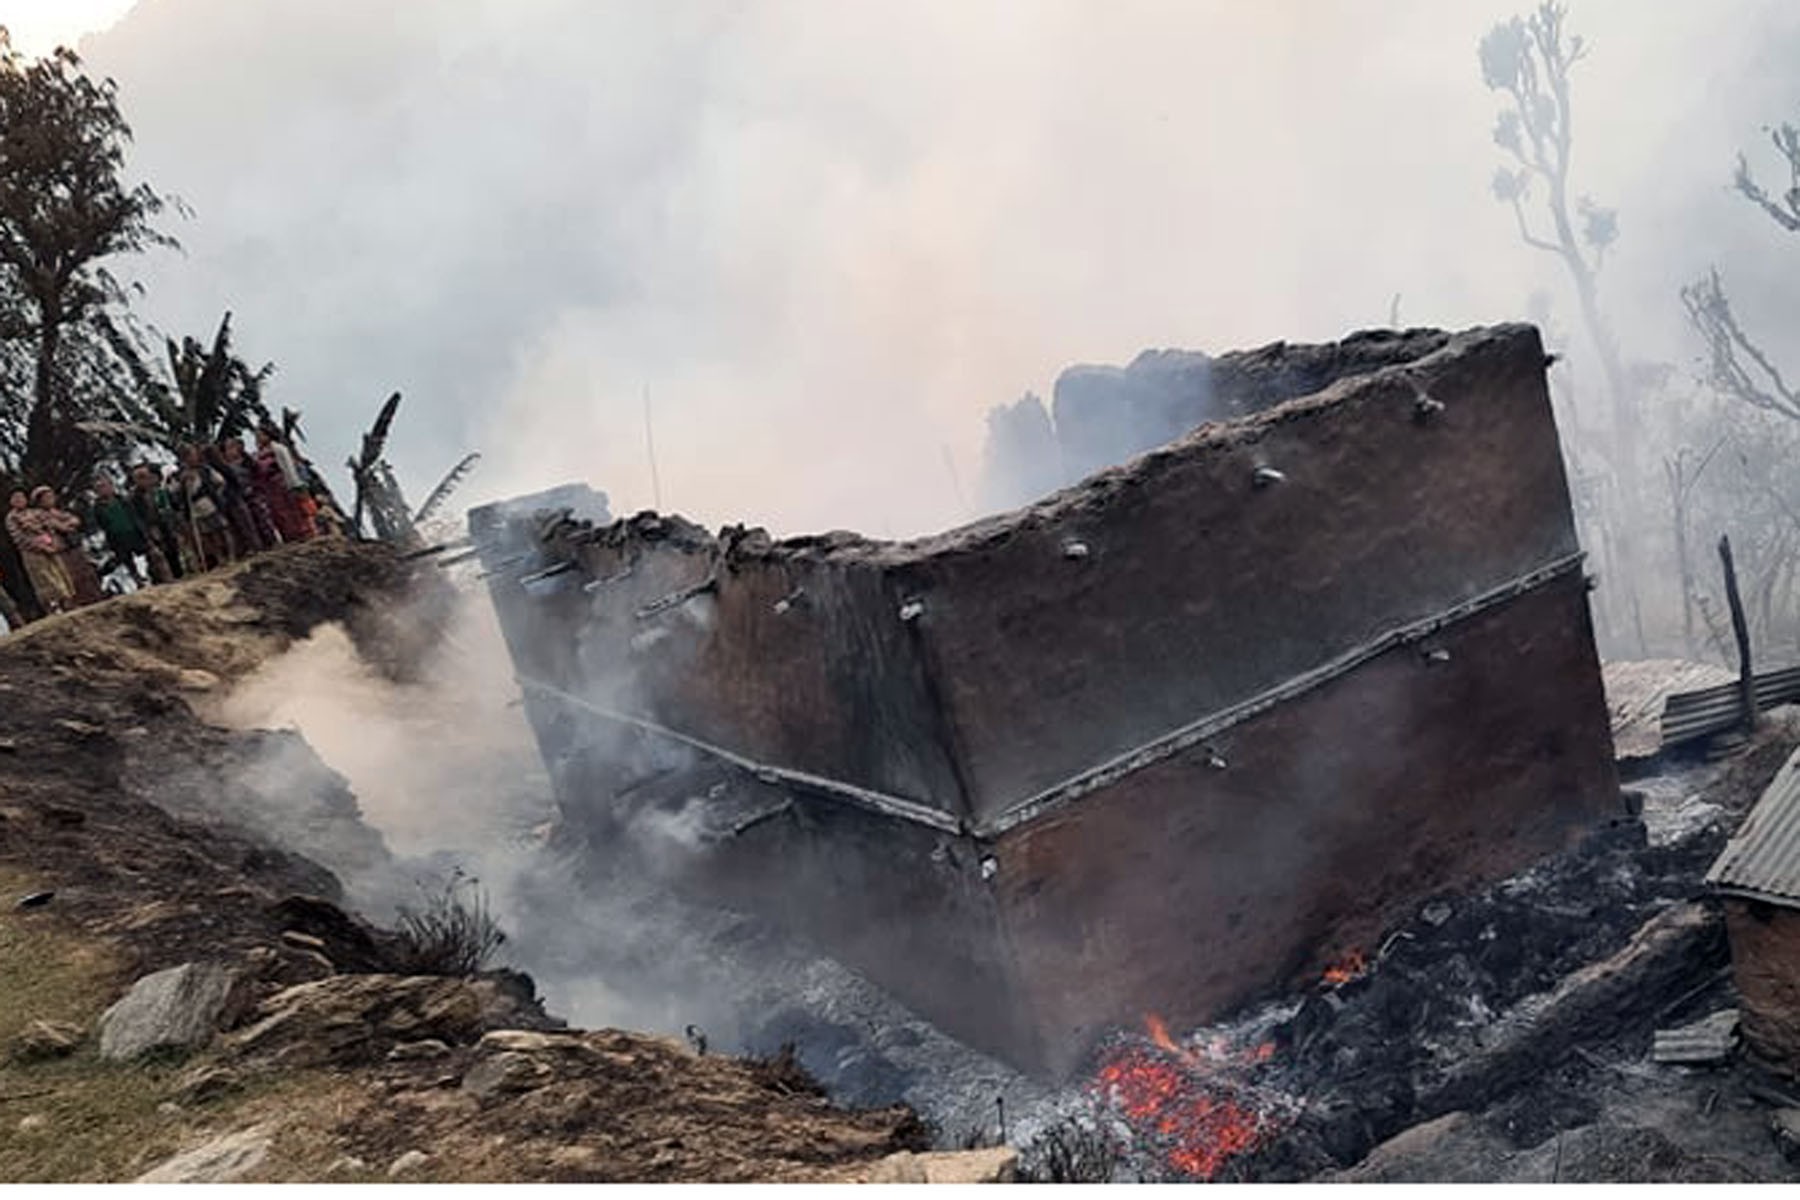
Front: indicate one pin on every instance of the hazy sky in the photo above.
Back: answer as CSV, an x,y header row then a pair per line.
x,y
37,26
827,235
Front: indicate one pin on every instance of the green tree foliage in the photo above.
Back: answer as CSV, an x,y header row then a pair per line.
x,y
68,351
210,394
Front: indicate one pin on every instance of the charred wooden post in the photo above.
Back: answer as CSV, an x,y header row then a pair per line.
x,y
1740,629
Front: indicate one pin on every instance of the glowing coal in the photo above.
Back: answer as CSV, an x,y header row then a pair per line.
x,y
1194,1107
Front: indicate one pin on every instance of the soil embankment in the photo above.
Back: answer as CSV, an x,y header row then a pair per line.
x,y
157,848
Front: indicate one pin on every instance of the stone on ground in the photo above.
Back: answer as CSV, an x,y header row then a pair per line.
x,y
176,1009
206,1082
419,1051
506,1072
995,1164
349,1019
46,1039
222,1160
412,1160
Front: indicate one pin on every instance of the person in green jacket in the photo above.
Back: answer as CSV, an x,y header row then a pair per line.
x,y
126,539
155,513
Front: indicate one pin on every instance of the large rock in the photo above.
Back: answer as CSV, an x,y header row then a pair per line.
x,y
222,1160
349,1019
173,1010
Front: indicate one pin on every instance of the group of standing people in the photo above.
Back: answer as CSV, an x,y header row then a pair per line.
x,y
220,503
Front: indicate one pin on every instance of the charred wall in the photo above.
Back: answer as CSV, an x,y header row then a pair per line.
x,y
1155,743
1199,589
1333,816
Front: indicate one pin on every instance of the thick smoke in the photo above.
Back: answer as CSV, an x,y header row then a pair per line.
x,y
827,238
444,769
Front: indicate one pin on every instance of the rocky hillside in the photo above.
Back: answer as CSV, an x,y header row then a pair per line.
x,y
180,999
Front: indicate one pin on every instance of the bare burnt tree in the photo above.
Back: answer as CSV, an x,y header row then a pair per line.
x,y
1683,471
65,211
1529,61
1786,213
1736,364
1762,427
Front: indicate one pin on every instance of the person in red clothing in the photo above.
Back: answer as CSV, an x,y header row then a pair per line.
x,y
277,478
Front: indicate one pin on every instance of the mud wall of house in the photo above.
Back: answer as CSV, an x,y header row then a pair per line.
x,y
792,659
1192,589
1765,964
811,687
1186,889
1198,589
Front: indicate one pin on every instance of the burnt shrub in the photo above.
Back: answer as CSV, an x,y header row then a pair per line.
x,y
783,1074
451,932
1075,1149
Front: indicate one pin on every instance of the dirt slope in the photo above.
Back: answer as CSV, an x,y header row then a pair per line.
x,y
111,796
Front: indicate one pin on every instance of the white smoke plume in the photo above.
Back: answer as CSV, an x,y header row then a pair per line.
x,y
827,237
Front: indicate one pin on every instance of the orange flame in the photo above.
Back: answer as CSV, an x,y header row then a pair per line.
x,y
1345,969
1159,1033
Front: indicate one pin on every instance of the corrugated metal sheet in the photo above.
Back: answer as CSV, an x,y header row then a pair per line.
x,y
1707,1041
1695,714
1763,859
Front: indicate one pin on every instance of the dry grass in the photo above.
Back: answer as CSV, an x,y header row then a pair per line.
x,y
72,1119
79,1119
47,971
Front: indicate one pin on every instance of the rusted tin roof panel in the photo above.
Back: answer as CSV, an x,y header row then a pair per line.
x,y
1696,714
1763,859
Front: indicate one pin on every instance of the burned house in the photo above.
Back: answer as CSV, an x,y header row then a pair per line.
x,y
1186,732
1758,874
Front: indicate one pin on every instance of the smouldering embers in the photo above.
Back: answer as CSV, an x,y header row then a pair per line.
x,y
1352,965
1195,1107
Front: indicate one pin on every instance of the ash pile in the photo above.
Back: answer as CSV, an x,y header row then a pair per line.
x,y
1578,1021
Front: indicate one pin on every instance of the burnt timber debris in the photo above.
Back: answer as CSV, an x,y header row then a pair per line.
x,y
1037,793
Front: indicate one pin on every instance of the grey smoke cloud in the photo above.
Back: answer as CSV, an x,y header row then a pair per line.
x,y
827,237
